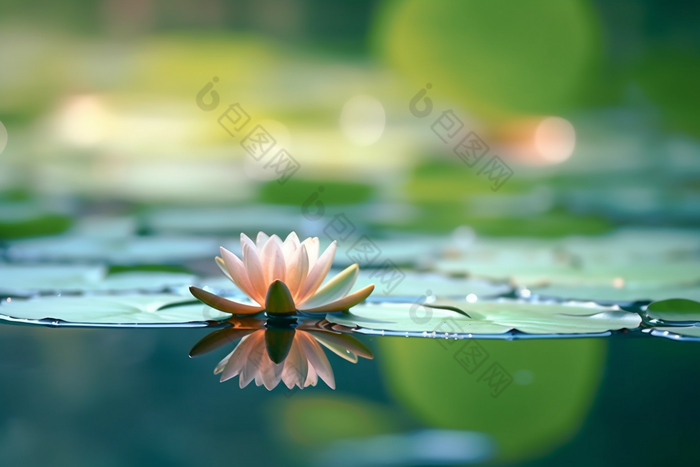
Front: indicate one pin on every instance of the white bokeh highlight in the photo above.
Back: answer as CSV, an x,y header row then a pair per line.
x,y
363,120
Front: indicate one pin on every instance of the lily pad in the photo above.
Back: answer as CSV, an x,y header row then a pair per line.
x,y
635,245
29,279
610,293
414,284
676,309
126,250
224,220
29,219
489,317
374,253
110,310
532,274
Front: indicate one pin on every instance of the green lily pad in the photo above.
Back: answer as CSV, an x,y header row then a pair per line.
x,y
599,293
677,309
632,244
489,317
416,284
401,251
28,219
27,280
109,310
249,219
126,250
533,274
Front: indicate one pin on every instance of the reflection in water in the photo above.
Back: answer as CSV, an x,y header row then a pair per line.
x,y
277,350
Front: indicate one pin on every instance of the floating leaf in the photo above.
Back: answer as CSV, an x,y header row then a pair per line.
x,y
533,274
224,220
634,245
401,251
26,280
414,284
600,293
489,317
126,250
677,309
110,310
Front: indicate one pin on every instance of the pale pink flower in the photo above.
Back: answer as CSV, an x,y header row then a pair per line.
x,y
283,277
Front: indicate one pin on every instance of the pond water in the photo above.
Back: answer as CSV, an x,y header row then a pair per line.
x,y
117,397
490,351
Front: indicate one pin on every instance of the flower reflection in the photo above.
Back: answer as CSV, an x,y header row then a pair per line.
x,y
278,350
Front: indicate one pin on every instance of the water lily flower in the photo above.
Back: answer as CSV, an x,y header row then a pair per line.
x,y
281,350
283,277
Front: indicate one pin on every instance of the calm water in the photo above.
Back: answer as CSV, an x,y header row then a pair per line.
x,y
85,397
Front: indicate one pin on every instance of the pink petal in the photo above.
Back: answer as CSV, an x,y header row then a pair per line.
x,y
239,276
222,266
290,245
297,270
254,269
318,272
261,240
247,241
272,260
334,289
342,303
224,304
312,247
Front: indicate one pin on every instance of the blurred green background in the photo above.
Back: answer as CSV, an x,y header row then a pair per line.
x,y
592,104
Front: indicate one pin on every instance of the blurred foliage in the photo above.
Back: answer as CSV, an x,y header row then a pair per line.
x,y
669,77
117,269
440,190
49,224
495,58
297,191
